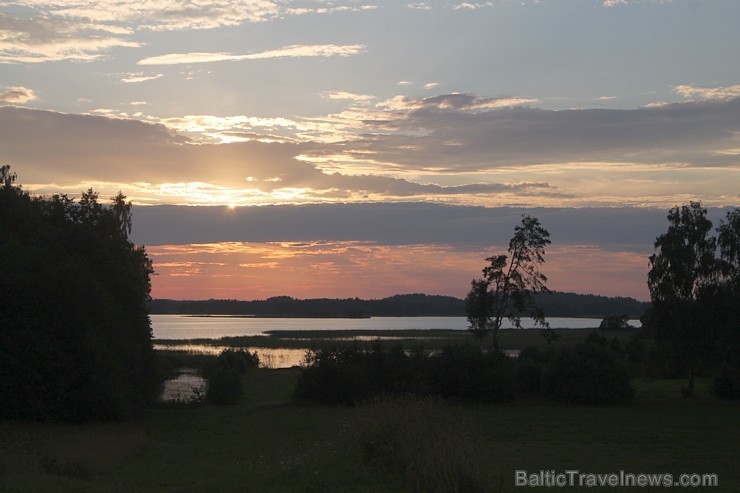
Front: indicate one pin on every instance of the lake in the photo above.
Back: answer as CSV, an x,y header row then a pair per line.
x,y
194,327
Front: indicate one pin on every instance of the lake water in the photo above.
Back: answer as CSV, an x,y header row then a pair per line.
x,y
189,327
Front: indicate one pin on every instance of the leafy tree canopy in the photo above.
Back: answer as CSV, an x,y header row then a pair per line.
x,y
75,339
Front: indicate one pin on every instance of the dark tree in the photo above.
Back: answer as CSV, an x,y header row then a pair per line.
x,y
681,270
509,283
75,338
723,308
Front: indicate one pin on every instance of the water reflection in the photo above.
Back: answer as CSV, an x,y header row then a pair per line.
x,y
187,387
269,357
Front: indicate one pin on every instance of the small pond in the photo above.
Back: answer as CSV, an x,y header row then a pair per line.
x,y
186,387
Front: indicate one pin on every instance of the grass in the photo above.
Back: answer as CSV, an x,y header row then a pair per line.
x,y
266,443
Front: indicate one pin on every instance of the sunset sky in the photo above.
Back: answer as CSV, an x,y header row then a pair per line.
x,y
366,148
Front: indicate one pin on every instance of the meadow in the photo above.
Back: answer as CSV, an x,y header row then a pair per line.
x,y
268,442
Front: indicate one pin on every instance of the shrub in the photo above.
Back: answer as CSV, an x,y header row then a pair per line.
x,y
529,366
224,386
615,322
465,372
332,376
240,361
586,374
349,376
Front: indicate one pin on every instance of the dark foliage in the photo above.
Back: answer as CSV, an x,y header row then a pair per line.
x,y
240,361
694,284
349,376
462,372
75,340
616,322
529,366
726,384
586,374
224,375
224,385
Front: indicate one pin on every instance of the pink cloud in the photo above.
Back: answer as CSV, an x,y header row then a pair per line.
x,y
342,269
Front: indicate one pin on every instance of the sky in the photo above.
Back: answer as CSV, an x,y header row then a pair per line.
x,y
349,148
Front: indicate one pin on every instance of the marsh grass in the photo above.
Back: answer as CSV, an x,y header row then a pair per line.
x,y
428,339
421,442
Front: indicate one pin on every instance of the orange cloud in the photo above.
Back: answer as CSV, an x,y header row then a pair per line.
x,y
342,269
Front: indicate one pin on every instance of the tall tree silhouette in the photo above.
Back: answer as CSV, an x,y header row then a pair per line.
x,y
681,269
509,282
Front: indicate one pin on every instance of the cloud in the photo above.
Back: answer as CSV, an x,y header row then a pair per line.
x,y
391,247
614,3
17,95
472,6
459,149
329,268
611,229
716,93
465,133
293,51
78,30
153,163
139,77
41,39
348,96
451,102
309,269
161,15
328,10
419,6
431,85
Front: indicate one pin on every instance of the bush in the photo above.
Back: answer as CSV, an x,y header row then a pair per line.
x,y
349,376
615,322
224,375
240,361
586,374
224,386
465,372
529,366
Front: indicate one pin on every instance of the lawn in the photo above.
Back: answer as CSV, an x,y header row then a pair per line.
x,y
267,443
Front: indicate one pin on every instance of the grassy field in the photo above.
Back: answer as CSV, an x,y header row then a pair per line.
x,y
266,443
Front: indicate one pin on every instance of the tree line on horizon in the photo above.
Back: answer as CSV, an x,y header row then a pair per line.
x,y
554,304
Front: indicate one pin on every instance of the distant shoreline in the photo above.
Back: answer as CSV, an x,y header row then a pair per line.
x,y
554,304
